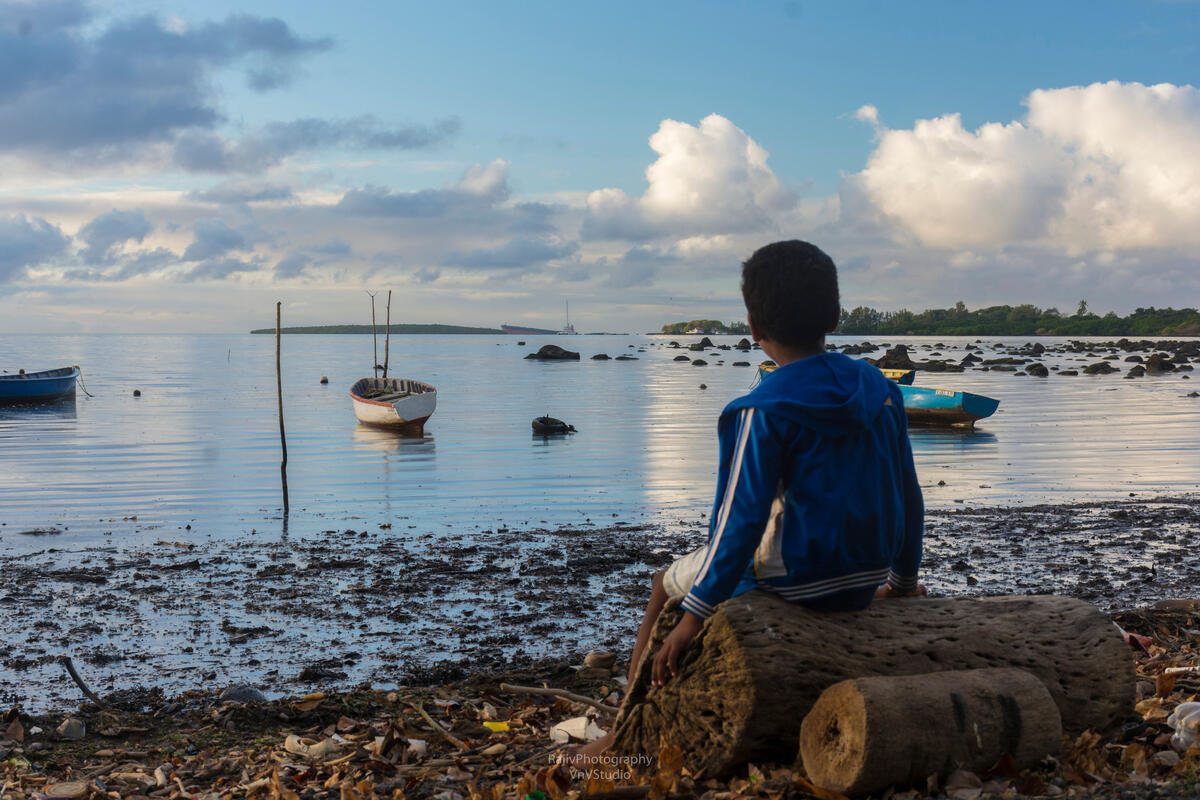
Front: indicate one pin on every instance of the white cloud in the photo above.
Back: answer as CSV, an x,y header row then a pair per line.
x,y
707,180
1105,167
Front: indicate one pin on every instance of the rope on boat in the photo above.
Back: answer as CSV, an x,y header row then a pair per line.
x,y
79,380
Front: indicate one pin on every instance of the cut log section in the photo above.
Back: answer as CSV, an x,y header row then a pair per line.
x,y
760,663
865,735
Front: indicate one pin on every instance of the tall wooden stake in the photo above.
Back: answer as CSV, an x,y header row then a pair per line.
x,y
374,338
387,337
279,394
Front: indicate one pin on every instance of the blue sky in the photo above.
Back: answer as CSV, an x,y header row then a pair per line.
x,y
178,166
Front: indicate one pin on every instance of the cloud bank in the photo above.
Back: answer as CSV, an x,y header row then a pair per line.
x,y
1108,167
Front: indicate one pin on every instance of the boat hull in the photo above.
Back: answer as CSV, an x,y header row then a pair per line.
x,y
407,413
38,387
928,406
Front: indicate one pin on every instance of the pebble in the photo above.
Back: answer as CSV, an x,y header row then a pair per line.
x,y
603,659
71,728
242,693
495,750
1167,758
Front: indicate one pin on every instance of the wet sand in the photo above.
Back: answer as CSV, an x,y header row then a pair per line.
x,y
388,607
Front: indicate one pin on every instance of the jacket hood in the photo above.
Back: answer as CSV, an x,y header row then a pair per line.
x,y
829,392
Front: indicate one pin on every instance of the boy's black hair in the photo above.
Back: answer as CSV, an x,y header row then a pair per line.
x,y
791,292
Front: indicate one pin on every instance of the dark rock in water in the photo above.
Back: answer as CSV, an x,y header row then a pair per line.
x,y
673,344
699,362
1134,359
1193,394
706,342
548,426
242,693
969,359
40,532
940,366
1069,372
520,344
724,347
1038,370
1159,362
1136,372
740,364
627,358
1037,348
1004,368
703,386
682,358
137,392
695,347
1019,373
991,362
600,357
768,363
552,352
1099,368
896,358
1184,368
324,379
743,344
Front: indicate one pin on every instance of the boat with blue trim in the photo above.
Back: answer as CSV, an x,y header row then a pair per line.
x,y
38,387
929,406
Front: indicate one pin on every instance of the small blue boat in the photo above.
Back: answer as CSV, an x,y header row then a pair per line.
x,y
927,406
38,387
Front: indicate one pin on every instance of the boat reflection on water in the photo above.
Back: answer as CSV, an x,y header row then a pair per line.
x,y
931,438
58,409
368,438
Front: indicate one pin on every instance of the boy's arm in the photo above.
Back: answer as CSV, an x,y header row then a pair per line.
x,y
741,516
902,578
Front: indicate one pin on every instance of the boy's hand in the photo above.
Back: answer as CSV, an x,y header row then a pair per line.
x,y
888,591
666,661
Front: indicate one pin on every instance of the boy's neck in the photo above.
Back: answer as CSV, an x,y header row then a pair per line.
x,y
783,354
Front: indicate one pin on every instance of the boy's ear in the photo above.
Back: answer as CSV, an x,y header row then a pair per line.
x,y
755,334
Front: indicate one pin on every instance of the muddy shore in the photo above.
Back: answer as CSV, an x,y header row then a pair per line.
x,y
388,607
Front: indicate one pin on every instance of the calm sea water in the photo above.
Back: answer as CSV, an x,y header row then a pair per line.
x,y
200,447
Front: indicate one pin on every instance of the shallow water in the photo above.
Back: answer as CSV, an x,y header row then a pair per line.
x,y
200,447
479,541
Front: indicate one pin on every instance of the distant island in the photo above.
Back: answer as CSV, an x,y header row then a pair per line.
x,y
396,328
708,327
1022,320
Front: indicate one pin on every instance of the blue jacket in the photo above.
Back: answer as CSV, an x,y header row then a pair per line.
x,y
817,496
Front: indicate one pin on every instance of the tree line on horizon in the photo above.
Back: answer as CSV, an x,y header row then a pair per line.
x,y
1022,320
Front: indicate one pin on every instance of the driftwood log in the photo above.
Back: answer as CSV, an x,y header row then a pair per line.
x,y
865,735
758,665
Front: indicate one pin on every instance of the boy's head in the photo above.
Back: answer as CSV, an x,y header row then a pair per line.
x,y
791,292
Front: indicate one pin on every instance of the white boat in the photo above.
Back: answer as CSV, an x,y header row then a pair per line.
x,y
398,403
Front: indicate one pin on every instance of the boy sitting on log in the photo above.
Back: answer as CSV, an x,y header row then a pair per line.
x,y
817,497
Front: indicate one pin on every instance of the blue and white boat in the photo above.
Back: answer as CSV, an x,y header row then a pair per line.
x,y
38,387
928,406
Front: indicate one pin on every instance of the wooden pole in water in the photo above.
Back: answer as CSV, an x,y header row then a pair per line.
x,y
279,394
374,338
387,337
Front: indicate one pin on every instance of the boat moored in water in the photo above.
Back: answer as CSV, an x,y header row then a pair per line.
x,y
928,406
401,404
38,387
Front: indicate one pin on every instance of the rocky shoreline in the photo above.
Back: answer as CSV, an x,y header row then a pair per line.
x,y
405,608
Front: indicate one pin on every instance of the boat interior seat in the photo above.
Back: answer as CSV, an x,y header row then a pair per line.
x,y
389,396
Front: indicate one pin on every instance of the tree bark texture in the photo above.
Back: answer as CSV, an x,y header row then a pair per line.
x,y
865,735
760,663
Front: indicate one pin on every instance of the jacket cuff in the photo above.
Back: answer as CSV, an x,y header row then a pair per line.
x,y
900,582
694,605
